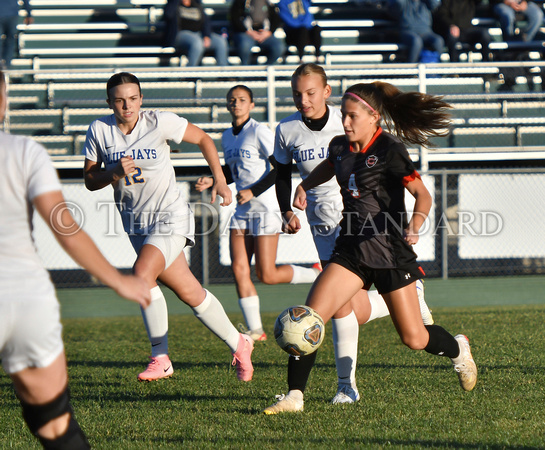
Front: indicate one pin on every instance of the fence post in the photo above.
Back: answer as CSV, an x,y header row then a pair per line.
x,y
422,87
205,243
444,230
271,97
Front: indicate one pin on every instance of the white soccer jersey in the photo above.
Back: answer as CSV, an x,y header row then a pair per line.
x,y
26,172
296,142
148,196
247,155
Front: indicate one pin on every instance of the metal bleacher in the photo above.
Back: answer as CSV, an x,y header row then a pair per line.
x,y
57,85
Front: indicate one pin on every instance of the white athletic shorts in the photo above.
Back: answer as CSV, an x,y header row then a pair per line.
x,y
30,327
324,239
260,216
170,246
258,223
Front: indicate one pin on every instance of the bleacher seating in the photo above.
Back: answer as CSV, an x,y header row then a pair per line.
x,y
57,86
97,33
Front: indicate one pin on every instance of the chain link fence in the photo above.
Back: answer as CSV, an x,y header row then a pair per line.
x,y
483,223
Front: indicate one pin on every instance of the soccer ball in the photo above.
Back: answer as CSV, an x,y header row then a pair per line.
x,y
299,330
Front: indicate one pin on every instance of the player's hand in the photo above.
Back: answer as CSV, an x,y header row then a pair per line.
x,y
411,236
244,196
300,198
203,183
125,166
135,289
221,189
290,223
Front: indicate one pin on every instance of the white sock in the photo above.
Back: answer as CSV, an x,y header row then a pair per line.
x,y
211,313
378,306
345,343
156,322
303,274
250,310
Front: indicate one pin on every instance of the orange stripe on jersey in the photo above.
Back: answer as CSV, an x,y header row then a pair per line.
x,y
413,176
373,139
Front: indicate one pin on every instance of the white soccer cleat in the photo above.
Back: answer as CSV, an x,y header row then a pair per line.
x,y
464,364
346,394
285,403
427,318
256,335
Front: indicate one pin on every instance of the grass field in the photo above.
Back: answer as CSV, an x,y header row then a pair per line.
x,y
409,399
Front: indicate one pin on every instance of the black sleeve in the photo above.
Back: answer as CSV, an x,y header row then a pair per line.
x,y
267,181
236,16
171,23
228,174
274,18
283,186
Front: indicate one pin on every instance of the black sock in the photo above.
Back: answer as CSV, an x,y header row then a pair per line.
x,y
73,439
299,370
441,342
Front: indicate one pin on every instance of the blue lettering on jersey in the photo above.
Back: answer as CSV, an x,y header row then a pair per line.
x,y
310,154
145,153
323,153
237,152
114,157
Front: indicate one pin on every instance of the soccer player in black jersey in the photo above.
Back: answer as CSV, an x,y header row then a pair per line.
x,y
373,169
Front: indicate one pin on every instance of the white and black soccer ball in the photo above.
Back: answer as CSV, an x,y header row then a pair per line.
x,y
299,330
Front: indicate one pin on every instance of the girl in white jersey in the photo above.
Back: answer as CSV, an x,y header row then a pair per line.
x,y
31,346
132,146
304,137
256,223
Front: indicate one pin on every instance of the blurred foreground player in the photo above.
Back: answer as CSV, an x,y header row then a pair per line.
x,y
31,346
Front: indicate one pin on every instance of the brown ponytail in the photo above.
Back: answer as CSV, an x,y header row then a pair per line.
x,y
412,116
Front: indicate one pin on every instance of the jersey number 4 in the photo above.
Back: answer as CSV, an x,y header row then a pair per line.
x,y
353,187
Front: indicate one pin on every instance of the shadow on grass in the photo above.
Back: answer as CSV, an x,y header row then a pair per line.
x,y
351,443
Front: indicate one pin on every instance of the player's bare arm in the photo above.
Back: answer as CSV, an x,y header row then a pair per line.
x,y
77,243
322,173
96,179
194,135
422,208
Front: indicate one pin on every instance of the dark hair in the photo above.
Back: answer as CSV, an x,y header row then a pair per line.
x,y
2,78
244,88
413,117
121,78
309,69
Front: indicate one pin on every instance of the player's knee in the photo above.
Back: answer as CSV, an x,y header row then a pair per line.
x,y
266,277
241,270
36,416
415,341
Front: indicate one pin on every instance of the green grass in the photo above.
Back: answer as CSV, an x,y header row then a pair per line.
x,y
409,399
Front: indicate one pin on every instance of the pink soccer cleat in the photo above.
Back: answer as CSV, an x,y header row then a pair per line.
x,y
242,358
158,367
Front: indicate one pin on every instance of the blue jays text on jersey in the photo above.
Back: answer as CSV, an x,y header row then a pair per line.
x,y
310,154
237,152
144,153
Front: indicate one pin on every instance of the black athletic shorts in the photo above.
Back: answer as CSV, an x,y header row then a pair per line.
x,y
385,280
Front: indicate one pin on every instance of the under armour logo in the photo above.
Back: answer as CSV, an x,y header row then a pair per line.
x,y
407,276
